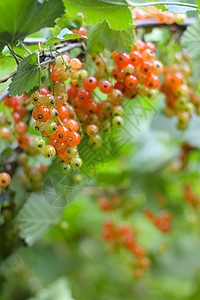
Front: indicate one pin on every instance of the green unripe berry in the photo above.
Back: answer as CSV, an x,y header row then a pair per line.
x,y
66,167
117,122
39,143
76,163
82,74
38,126
117,111
48,151
54,114
95,141
72,152
77,178
50,127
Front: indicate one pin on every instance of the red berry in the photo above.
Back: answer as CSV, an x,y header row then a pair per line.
x,y
118,74
136,58
146,68
72,124
131,81
152,81
105,86
122,60
84,96
62,133
90,83
41,113
73,139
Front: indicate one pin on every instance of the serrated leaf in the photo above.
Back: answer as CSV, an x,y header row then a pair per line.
x,y
36,217
27,76
179,9
64,35
191,38
100,36
116,13
20,18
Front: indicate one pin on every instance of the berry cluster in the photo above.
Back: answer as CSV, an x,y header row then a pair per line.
x,y
65,112
109,203
180,97
55,118
190,197
16,126
162,17
162,222
124,236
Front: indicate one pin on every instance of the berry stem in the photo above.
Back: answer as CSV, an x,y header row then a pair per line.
x,y
134,4
25,48
39,71
50,79
13,54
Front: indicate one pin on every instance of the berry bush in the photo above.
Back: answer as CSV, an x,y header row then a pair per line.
x,y
99,150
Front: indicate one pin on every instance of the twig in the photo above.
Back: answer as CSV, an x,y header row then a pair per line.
x,y
3,95
6,77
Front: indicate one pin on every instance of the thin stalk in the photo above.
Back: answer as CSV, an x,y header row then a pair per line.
x,y
50,79
27,50
13,54
39,72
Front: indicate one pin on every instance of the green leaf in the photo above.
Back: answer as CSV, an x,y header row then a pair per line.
x,y
65,34
116,13
27,76
100,36
20,18
179,9
191,39
36,217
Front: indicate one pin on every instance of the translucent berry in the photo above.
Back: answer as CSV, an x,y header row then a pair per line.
x,y
95,141
50,127
105,86
72,152
131,81
84,96
38,126
135,58
72,125
92,129
75,65
48,151
118,74
122,60
146,68
35,98
66,167
76,163
152,81
39,143
62,133
73,139
117,121
117,111
90,83
116,97
41,113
